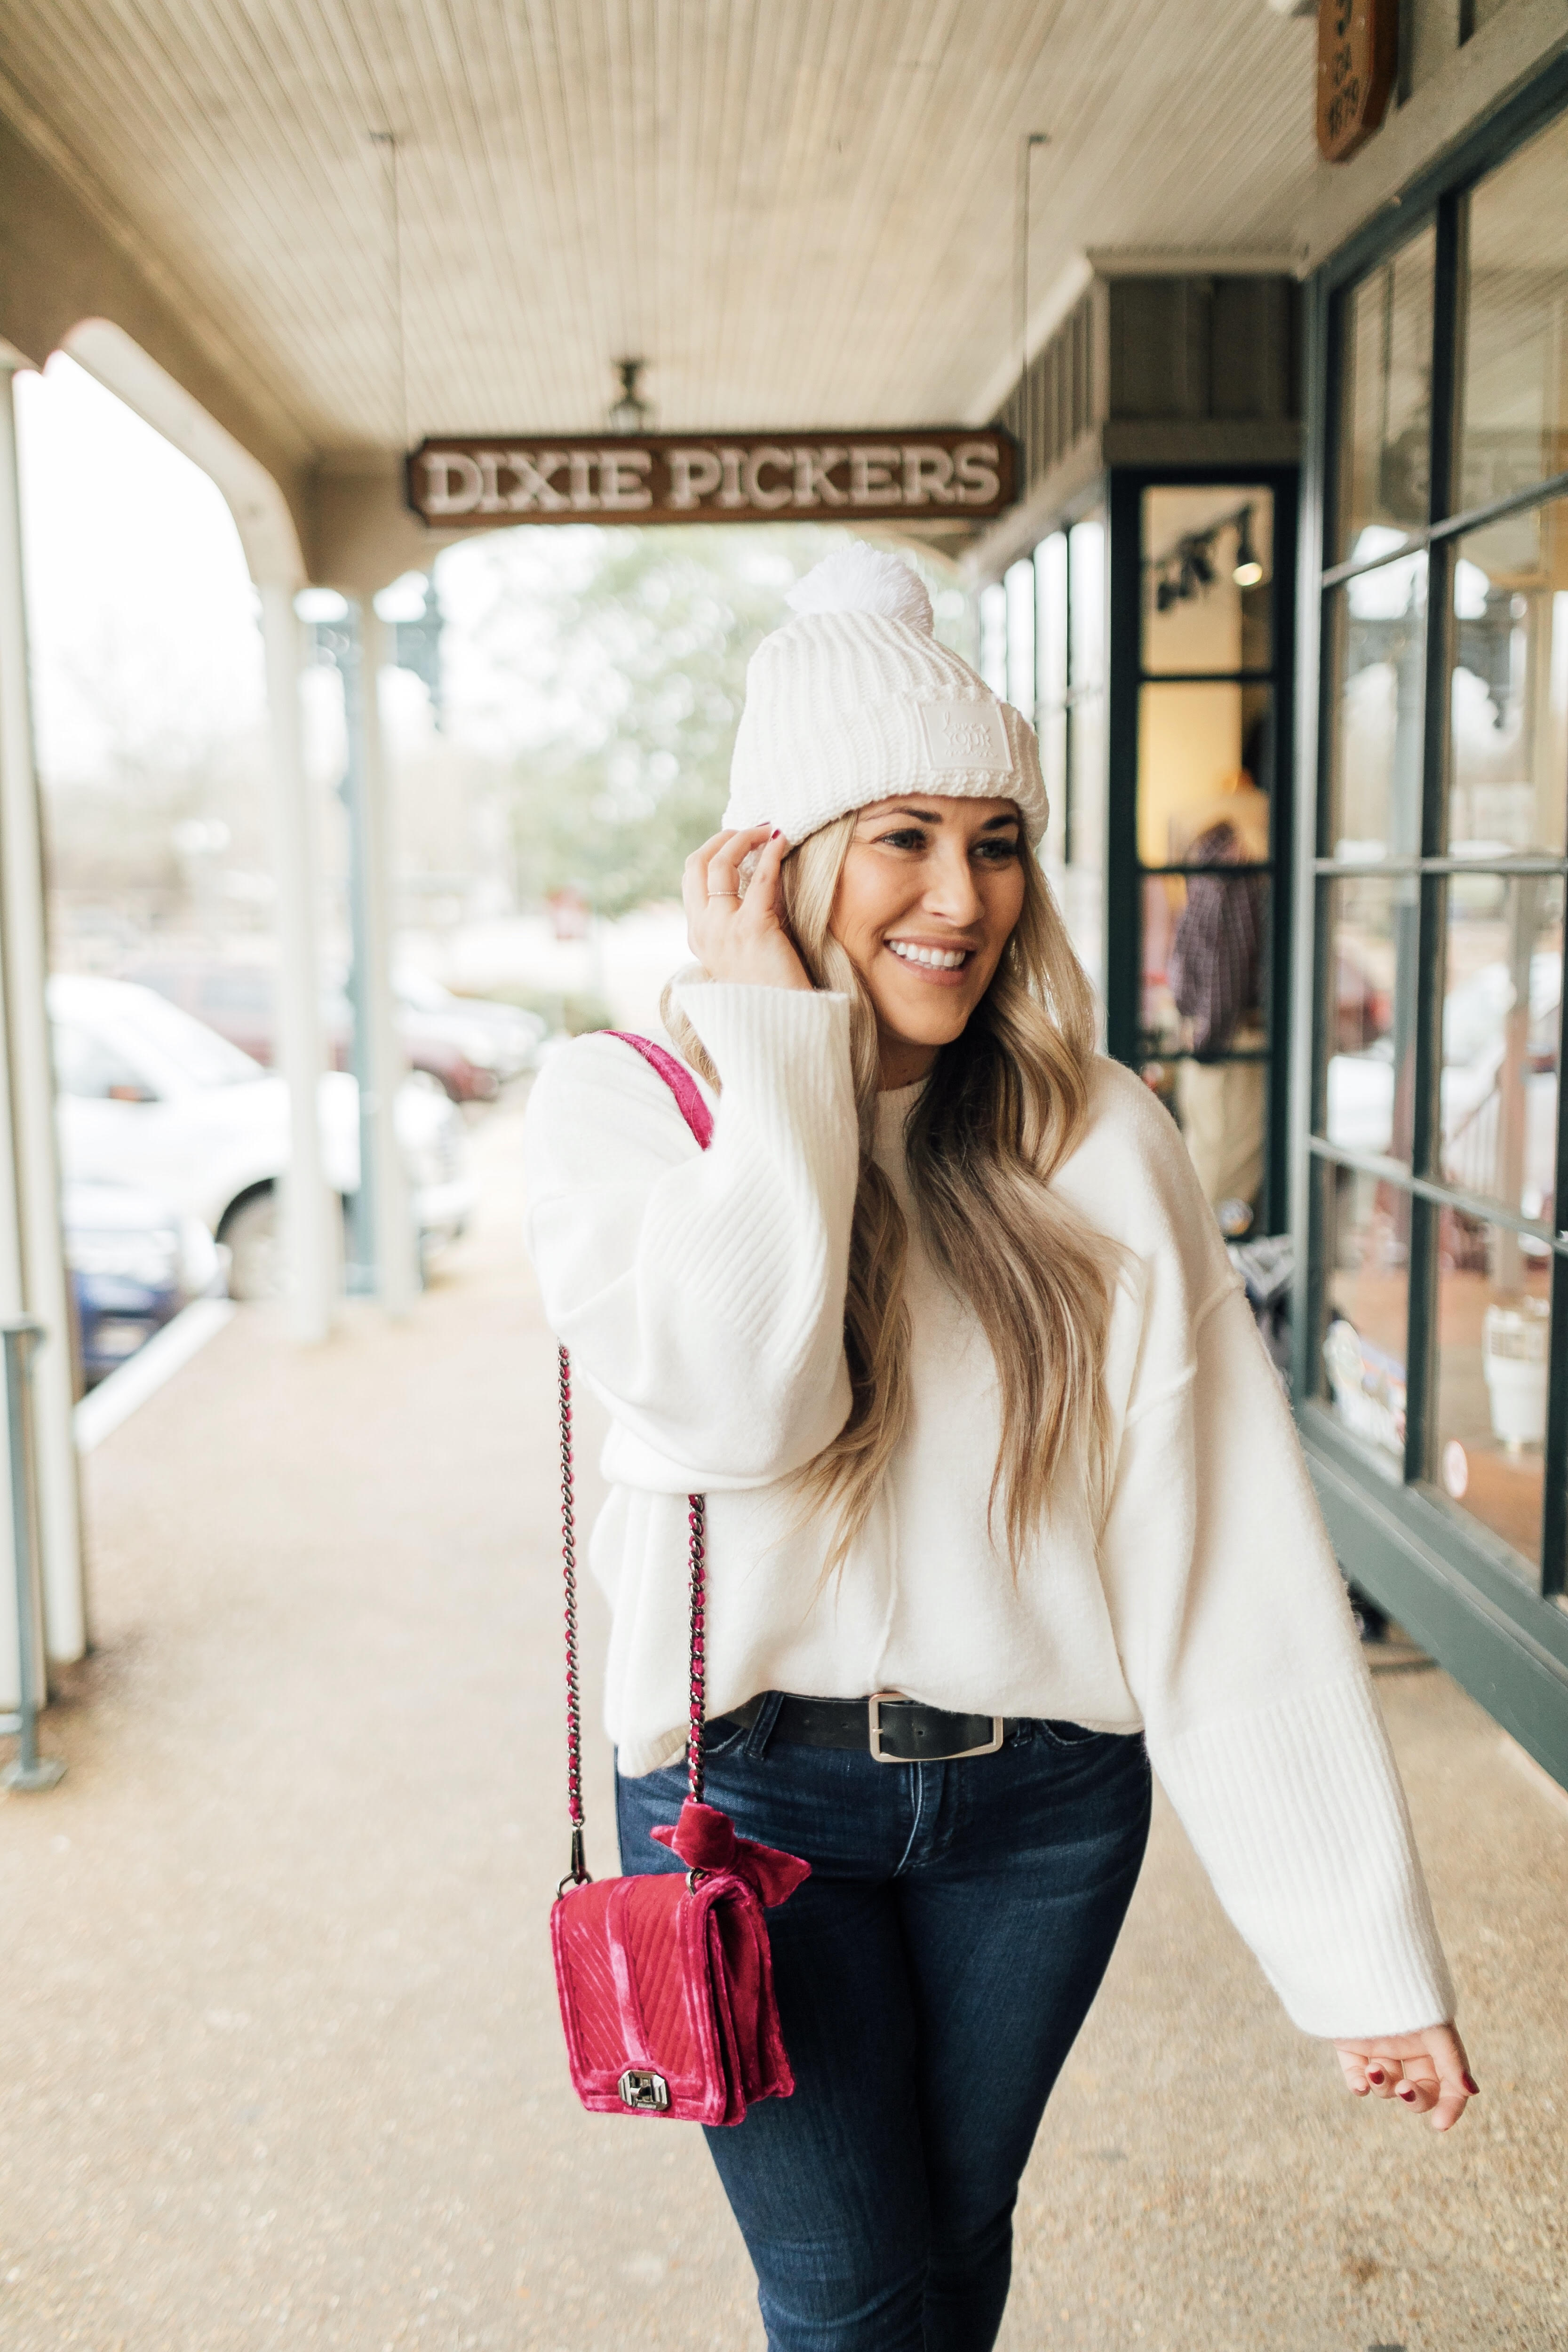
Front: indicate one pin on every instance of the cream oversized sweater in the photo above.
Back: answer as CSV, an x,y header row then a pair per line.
x,y
701,1294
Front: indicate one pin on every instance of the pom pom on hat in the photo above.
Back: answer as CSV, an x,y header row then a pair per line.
x,y
861,578
854,701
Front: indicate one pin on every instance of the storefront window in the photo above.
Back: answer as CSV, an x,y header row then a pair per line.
x,y
1085,903
1386,401
1087,615
1368,1029
1503,990
1508,698
1364,1237
1051,691
1514,413
1494,1329
994,636
1069,676
1435,965
1205,762
1019,585
1208,573
1375,631
1205,818
1051,619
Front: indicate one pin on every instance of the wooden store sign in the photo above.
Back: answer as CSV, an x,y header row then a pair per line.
x,y
1358,60
464,481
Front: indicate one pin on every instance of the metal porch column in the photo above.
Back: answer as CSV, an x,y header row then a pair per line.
x,y
33,1279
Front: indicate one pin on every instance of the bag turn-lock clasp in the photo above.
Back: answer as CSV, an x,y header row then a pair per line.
x,y
644,2091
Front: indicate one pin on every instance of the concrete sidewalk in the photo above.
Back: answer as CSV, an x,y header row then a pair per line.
x,y
278,2047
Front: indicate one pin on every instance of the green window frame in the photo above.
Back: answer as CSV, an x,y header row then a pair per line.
x,y
1488,1602
1127,872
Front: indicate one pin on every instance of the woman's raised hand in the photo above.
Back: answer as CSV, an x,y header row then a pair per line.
x,y
1428,2072
736,935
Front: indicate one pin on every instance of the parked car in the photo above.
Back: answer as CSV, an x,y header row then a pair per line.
x,y
470,1052
505,1036
134,1262
148,1094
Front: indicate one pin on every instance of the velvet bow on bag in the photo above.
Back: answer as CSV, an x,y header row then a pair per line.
x,y
705,1838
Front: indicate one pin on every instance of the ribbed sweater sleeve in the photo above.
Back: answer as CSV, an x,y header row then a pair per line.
x,y
702,1293
1239,1644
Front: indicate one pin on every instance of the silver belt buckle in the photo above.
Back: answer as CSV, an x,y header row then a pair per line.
x,y
874,1711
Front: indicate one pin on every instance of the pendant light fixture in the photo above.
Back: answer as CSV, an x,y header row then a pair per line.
x,y
629,413
1248,570
1190,568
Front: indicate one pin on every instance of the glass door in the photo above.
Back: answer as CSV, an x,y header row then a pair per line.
x,y
1201,729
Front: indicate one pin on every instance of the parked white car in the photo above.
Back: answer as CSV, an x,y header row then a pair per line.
x,y
149,1096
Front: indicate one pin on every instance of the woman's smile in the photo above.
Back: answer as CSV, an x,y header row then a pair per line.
x,y
934,962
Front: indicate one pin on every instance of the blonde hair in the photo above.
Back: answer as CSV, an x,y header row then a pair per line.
x,y
1005,1105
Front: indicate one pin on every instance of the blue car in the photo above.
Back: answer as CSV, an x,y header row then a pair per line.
x,y
134,1261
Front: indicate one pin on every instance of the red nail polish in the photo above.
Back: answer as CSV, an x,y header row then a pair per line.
x,y
1375,2074
1473,2087
774,834
1407,2096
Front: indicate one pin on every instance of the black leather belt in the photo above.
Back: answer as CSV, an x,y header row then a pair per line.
x,y
895,1730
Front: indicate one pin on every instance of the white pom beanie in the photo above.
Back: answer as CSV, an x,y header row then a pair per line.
x,y
855,701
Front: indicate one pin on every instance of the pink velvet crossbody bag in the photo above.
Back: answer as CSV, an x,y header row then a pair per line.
x,y
666,1980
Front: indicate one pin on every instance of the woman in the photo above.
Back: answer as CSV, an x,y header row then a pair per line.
x,y
942,1325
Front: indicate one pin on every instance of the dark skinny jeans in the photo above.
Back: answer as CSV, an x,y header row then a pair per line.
x,y
932,1976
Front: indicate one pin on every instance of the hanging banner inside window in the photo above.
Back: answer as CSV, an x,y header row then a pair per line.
x,y
462,481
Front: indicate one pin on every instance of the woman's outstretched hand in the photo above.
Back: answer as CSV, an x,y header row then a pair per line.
x,y
735,936
1427,2071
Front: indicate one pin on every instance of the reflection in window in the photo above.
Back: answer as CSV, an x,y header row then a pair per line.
x,y
1377,632
1209,570
1386,399
1508,734
1494,1328
1369,1034
1503,987
1366,1303
1514,428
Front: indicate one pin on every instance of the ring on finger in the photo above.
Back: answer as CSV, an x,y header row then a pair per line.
x,y
723,894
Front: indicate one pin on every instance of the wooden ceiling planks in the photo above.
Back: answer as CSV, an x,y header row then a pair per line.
x,y
798,211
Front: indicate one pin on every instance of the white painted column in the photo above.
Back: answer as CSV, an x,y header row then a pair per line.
x,y
32,1252
310,1222
12,1292
396,1243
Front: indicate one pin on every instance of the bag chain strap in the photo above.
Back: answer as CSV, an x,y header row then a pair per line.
x,y
579,1875
697,1518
